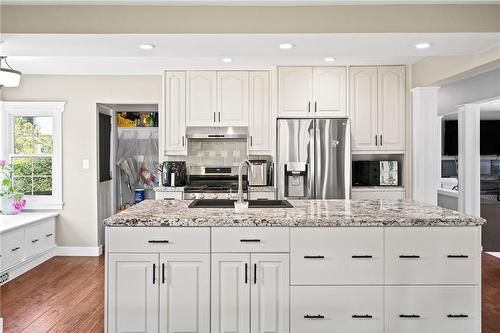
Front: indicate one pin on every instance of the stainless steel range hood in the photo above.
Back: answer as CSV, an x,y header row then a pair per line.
x,y
228,132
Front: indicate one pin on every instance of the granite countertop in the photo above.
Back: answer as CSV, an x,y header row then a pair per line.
x,y
306,213
261,188
169,189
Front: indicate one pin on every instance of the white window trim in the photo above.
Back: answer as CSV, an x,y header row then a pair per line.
x,y
54,110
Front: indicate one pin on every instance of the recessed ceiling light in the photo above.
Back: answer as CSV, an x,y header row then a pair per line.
x,y
286,46
146,46
227,60
329,59
423,46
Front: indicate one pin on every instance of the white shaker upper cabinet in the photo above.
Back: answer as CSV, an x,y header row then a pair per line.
x,y
295,91
363,103
201,99
232,98
329,90
133,293
173,126
391,107
259,127
184,293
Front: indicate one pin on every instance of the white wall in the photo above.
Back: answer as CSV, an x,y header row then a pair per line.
x,y
76,226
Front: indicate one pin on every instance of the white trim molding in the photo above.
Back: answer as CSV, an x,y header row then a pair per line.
x,y
426,140
79,251
469,158
54,110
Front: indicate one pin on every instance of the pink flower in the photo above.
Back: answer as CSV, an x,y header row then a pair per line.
x,y
3,162
19,205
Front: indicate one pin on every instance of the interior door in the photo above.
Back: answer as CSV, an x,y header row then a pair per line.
x,y
133,293
270,293
230,293
185,293
201,98
295,91
329,89
232,98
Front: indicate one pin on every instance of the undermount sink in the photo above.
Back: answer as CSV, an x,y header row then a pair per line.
x,y
227,203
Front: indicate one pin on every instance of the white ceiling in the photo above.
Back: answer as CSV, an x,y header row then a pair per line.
x,y
119,53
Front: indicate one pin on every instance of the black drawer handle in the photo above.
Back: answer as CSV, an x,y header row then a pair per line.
x,y
457,256
15,249
314,257
409,256
163,273
314,317
49,235
254,273
409,316
366,316
164,241
35,240
154,273
246,273
457,316
362,257
250,240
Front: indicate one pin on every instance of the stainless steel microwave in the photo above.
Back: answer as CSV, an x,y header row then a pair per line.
x,y
376,173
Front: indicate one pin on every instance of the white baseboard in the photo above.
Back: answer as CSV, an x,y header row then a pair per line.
x,y
495,254
79,251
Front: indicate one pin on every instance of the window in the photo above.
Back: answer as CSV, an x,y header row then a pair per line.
x,y
34,148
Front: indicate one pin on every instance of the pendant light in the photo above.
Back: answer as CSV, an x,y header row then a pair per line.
x,y
8,76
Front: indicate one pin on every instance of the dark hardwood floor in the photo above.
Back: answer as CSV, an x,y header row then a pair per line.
x,y
66,294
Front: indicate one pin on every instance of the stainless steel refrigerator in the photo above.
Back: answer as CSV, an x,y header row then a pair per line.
x,y
313,159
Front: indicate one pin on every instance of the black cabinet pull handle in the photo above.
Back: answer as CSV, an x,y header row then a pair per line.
x,y
364,256
309,106
314,317
315,106
457,316
48,235
246,273
376,140
366,316
314,257
409,316
250,240
15,249
214,117
35,240
219,117
457,256
163,273
154,273
381,142
164,241
254,273
409,256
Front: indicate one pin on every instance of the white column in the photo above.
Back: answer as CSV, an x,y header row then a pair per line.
x,y
425,145
469,183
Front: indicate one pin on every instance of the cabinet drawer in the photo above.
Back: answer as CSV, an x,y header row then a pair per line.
x,y
157,239
39,237
12,247
177,195
322,256
430,309
261,195
432,255
328,309
249,239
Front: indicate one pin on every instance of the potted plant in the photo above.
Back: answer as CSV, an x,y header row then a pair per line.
x,y
11,202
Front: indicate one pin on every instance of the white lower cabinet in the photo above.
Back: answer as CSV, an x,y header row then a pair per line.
x,y
250,293
133,293
342,309
431,309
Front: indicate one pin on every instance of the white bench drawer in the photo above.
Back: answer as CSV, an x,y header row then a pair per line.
x,y
431,309
12,247
158,239
322,256
432,255
322,309
39,237
250,239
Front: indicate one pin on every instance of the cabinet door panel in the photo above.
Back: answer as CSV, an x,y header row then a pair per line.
x,y
259,114
329,89
232,98
201,101
174,127
13,249
391,107
270,293
295,91
230,293
132,295
363,105
185,293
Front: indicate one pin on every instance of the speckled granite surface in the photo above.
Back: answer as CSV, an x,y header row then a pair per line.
x,y
169,189
306,213
261,188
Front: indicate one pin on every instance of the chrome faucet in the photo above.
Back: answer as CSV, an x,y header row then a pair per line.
x,y
240,180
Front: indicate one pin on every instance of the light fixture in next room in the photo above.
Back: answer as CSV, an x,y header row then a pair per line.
x,y
9,77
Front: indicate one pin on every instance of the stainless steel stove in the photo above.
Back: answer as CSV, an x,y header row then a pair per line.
x,y
213,182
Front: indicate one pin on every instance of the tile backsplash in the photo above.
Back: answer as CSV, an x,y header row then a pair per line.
x,y
216,152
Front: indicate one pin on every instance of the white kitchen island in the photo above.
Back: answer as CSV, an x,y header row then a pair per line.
x,y
322,266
